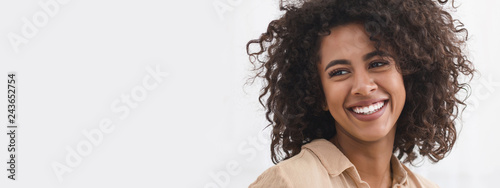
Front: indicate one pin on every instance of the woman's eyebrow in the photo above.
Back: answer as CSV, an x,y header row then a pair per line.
x,y
375,53
337,62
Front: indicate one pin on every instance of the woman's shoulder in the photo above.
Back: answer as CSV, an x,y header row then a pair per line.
x,y
424,182
272,176
291,171
417,180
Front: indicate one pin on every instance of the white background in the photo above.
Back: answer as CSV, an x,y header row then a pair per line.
x,y
199,126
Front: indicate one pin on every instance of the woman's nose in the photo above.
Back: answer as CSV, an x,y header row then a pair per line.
x,y
363,84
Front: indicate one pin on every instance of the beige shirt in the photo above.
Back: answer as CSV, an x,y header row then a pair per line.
x,y
321,164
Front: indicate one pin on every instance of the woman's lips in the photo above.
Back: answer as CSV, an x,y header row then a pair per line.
x,y
371,116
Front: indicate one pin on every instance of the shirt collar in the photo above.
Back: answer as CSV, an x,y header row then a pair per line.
x,y
336,162
330,156
399,174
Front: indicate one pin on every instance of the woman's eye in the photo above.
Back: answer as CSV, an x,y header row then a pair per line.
x,y
378,64
337,73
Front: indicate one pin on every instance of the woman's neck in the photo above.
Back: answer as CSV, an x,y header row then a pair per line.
x,y
371,159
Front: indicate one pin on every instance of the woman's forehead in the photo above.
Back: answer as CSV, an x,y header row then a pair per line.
x,y
346,40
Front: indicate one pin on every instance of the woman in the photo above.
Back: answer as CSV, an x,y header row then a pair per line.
x,y
357,88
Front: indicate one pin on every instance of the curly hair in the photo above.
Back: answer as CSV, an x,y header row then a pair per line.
x,y
428,48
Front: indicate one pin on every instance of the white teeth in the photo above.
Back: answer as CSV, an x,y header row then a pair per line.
x,y
368,109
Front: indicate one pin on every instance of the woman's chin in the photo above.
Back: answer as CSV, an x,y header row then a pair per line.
x,y
375,135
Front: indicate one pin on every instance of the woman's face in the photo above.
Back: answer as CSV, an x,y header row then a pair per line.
x,y
364,91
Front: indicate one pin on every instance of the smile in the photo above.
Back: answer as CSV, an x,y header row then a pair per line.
x,y
366,110
370,112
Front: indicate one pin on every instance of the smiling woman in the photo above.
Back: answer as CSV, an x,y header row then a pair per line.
x,y
357,88
364,91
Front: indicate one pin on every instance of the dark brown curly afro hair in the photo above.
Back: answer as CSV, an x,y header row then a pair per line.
x,y
428,48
